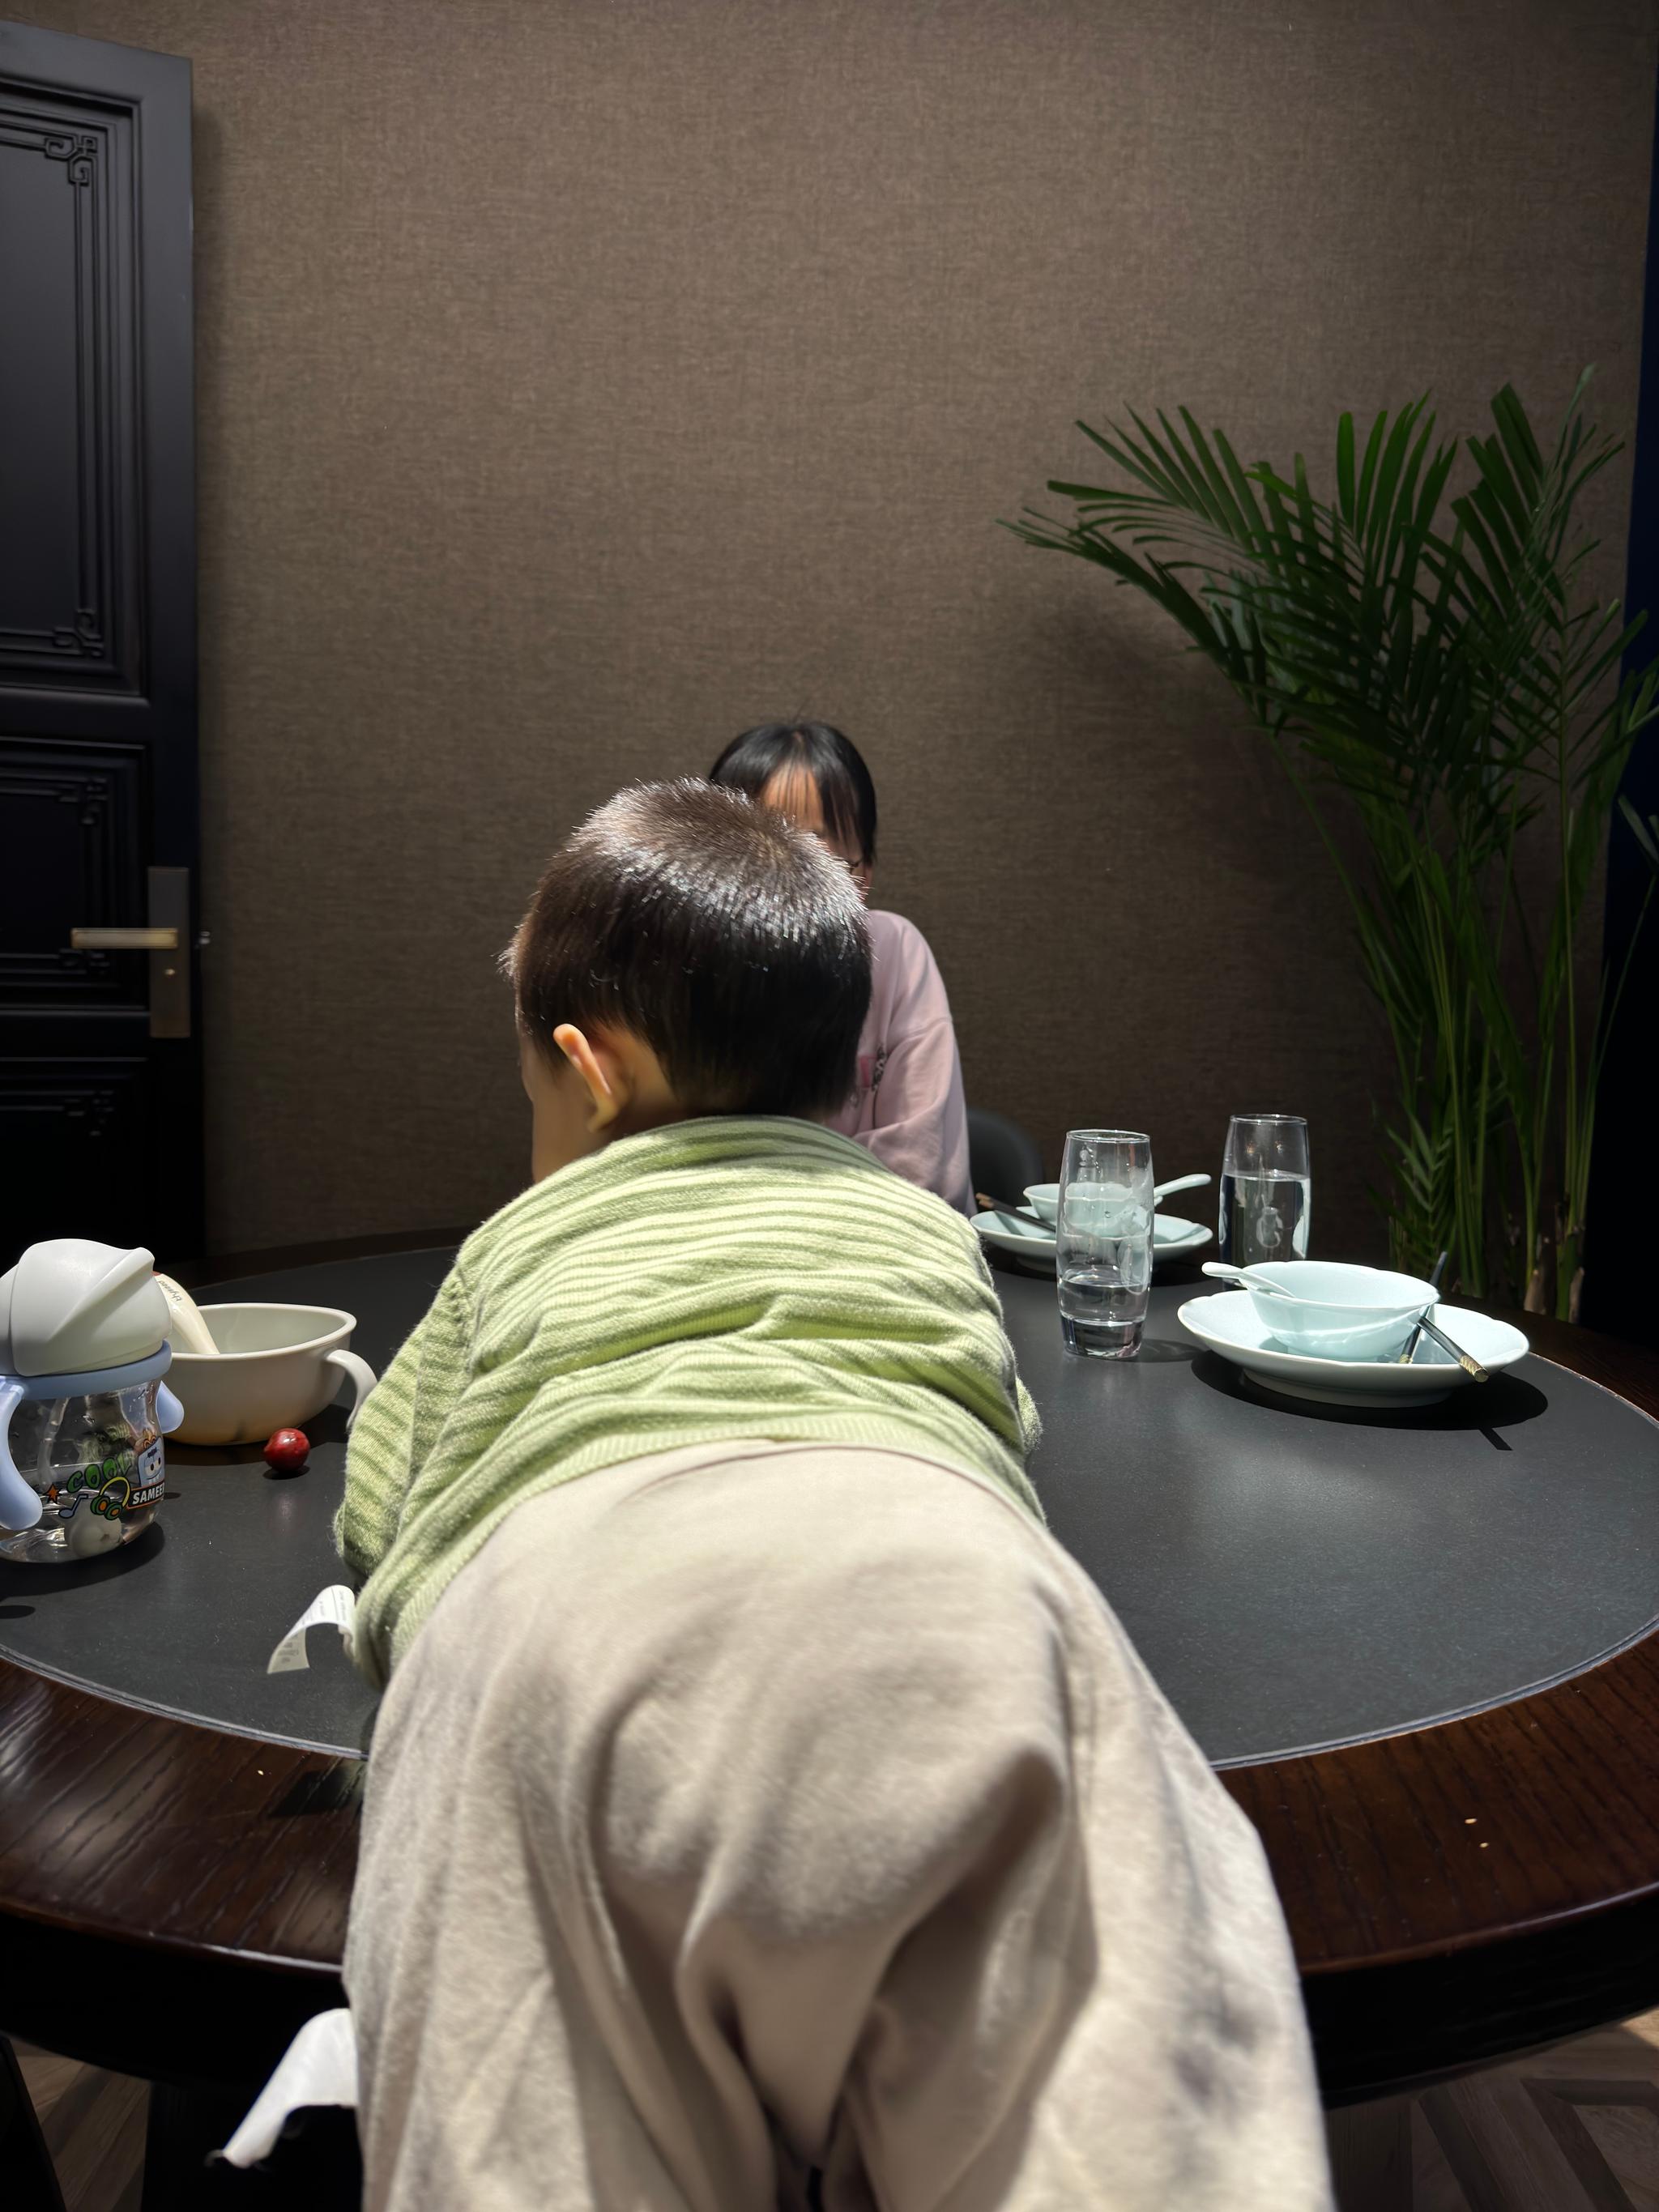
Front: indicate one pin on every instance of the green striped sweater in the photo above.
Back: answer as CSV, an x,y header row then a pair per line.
x,y
713,1281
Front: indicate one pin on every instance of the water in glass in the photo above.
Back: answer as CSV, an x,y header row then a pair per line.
x,y
1264,1218
1267,1190
1103,1242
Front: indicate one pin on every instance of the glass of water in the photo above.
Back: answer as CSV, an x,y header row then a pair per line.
x,y
1103,1242
1267,1190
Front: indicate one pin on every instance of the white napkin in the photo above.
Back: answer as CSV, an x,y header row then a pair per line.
x,y
319,2067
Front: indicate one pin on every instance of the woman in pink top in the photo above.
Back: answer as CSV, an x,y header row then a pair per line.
x,y
909,1108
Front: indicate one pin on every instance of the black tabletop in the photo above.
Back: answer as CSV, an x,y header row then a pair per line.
x,y
1297,1576
1294,1578
1455,1893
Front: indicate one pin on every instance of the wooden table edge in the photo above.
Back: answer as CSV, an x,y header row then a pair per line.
x,y
1349,1833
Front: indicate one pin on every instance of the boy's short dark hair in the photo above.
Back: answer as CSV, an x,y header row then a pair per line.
x,y
733,944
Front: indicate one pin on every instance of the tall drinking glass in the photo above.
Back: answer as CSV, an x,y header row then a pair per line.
x,y
1103,1242
1267,1190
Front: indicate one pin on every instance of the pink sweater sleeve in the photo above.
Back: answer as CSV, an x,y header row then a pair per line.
x,y
918,1123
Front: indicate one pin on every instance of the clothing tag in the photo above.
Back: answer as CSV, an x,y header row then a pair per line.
x,y
336,1605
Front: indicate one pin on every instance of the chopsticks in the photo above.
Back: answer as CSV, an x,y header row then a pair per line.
x,y
1470,1365
989,1205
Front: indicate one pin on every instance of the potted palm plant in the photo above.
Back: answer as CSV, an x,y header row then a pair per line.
x,y
1423,658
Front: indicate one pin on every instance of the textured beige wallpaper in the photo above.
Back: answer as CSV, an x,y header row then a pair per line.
x,y
583,379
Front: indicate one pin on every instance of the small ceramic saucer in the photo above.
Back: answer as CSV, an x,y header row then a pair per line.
x,y
1171,1236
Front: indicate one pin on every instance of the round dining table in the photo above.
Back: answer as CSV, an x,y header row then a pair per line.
x,y
1418,1647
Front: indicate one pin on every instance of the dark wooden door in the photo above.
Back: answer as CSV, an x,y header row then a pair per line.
x,y
100,1040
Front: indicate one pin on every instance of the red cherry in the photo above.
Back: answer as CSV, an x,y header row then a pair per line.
x,y
288,1450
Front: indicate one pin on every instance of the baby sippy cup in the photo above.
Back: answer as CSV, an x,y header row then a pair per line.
x,y
83,1406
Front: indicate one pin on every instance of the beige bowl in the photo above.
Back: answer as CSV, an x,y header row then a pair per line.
x,y
277,1368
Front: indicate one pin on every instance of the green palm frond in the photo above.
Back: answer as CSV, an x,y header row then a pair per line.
x,y
1427,660
1646,834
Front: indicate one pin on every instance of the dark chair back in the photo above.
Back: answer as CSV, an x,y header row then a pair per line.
x,y
1002,1157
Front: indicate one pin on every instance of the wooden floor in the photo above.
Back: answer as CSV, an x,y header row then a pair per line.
x,y
94,2124
1573,2129
1576,2129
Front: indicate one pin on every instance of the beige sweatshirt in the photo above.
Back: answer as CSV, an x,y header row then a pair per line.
x,y
755,1809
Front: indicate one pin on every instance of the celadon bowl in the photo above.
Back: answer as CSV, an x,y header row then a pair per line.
x,y
1337,1310
1043,1199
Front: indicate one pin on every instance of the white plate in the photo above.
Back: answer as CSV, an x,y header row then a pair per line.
x,y
1171,1236
1229,1323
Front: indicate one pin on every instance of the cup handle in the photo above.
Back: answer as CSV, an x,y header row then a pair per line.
x,y
363,1379
168,1412
19,1502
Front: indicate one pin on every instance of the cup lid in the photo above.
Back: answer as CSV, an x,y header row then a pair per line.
x,y
70,1305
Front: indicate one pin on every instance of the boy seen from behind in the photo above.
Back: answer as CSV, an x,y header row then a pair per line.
x,y
763,1809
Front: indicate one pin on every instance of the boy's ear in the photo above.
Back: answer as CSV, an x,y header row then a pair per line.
x,y
601,1073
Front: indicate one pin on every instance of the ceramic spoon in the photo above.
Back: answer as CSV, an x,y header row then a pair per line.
x,y
1181,1183
1248,1276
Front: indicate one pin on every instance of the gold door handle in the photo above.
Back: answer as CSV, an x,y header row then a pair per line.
x,y
124,940
165,939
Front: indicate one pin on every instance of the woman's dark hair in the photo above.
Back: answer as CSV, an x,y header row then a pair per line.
x,y
833,762
734,945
